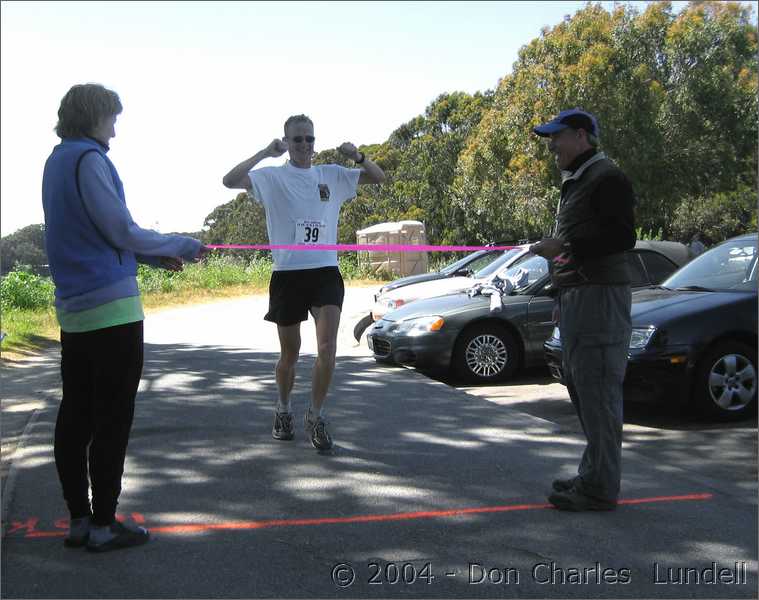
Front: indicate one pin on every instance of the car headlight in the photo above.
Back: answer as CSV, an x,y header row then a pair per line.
x,y
419,325
393,304
641,336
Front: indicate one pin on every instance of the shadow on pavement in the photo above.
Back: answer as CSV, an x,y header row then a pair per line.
x,y
201,454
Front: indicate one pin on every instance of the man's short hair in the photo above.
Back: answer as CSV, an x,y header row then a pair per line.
x,y
297,119
84,107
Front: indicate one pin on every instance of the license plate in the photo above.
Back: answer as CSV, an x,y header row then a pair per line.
x,y
370,343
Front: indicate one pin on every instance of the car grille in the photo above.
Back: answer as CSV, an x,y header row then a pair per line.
x,y
381,347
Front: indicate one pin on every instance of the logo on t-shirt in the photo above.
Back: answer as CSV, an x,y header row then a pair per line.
x,y
323,192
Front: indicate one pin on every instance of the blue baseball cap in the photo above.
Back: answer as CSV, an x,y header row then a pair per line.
x,y
575,118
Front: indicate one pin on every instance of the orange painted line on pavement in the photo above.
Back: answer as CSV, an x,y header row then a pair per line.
x,y
667,499
405,516
433,514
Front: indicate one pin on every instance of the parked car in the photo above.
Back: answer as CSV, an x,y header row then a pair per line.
x,y
461,333
456,276
694,337
462,267
385,302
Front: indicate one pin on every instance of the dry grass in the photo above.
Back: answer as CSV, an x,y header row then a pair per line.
x,y
158,301
31,332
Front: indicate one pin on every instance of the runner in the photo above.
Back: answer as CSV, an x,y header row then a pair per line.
x,y
302,204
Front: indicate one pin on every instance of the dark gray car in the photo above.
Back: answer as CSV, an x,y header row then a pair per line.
x,y
460,332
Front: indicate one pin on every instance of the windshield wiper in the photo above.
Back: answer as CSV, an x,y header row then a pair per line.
x,y
693,288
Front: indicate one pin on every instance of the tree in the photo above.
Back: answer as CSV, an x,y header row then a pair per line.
x,y
25,246
240,221
419,160
675,96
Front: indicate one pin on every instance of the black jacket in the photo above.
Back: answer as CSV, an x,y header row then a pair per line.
x,y
596,218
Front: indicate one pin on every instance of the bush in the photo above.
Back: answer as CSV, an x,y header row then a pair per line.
x,y
216,272
24,290
351,269
716,217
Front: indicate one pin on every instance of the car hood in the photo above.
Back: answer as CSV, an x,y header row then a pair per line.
x,y
654,305
428,289
444,306
411,279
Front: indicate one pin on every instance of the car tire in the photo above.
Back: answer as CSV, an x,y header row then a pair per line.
x,y
726,381
362,326
486,352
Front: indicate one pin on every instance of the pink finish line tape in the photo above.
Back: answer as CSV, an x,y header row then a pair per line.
x,y
357,247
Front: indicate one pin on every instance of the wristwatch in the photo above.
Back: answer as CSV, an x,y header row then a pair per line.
x,y
361,160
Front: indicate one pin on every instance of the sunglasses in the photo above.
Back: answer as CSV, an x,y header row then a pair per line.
x,y
298,139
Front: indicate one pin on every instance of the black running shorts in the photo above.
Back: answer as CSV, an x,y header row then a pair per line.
x,y
293,293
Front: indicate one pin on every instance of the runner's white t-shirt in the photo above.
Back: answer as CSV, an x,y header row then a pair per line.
x,y
303,207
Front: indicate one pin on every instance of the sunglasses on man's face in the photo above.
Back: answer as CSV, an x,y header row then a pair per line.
x,y
298,139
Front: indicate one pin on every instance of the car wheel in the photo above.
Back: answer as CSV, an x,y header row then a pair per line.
x,y
726,380
486,352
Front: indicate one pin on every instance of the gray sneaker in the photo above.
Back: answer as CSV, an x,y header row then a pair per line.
x,y
317,433
283,428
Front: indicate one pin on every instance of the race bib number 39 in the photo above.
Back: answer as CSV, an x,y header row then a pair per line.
x,y
309,231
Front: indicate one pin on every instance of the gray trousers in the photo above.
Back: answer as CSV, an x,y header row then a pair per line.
x,y
595,330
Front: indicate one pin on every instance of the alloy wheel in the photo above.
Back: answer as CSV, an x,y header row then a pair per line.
x,y
732,382
486,355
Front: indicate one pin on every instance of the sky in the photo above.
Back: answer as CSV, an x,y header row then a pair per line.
x,y
206,85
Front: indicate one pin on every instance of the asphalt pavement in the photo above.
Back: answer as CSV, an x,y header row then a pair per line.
x,y
432,491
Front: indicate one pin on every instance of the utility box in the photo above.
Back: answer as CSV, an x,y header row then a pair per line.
x,y
399,264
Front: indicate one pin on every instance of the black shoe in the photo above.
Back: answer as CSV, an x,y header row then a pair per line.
x,y
283,426
576,501
123,537
318,434
563,485
79,533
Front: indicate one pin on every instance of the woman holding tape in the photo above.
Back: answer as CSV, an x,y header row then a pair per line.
x,y
93,247
302,204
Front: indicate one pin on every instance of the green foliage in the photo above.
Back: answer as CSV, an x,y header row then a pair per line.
x,y
351,269
216,272
675,97
716,216
648,235
24,290
240,221
24,247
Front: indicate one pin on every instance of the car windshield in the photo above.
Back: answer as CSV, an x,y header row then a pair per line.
x,y
729,266
462,262
533,265
497,263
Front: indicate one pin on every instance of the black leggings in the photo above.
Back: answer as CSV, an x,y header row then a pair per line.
x,y
100,370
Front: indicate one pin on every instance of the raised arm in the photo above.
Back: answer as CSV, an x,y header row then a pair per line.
x,y
238,178
370,172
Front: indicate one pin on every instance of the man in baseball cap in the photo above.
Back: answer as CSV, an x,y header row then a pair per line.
x,y
595,225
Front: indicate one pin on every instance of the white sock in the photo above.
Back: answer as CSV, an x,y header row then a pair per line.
x,y
283,407
313,414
